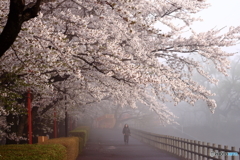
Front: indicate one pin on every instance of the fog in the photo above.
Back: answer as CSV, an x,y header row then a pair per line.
x,y
198,123
194,122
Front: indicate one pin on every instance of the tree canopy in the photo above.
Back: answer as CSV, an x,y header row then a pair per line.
x,y
79,52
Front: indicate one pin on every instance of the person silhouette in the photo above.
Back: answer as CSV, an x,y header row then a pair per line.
x,y
126,132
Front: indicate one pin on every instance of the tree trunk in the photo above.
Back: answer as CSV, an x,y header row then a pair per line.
x,y
18,13
11,119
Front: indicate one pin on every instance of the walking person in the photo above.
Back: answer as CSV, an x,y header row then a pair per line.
x,y
126,132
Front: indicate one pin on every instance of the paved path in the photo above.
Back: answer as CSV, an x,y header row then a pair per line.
x,y
107,144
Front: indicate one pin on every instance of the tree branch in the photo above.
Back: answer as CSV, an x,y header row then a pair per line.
x,y
18,13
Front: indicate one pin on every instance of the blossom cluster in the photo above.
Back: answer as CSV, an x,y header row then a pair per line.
x,y
110,48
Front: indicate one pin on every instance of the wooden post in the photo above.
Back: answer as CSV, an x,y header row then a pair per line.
x,y
188,149
166,143
191,149
195,149
185,148
176,145
226,157
163,140
208,149
214,146
173,143
203,150
162,143
199,150
181,150
233,150
179,146
219,149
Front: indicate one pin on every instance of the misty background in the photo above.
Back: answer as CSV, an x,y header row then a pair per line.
x,y
195,122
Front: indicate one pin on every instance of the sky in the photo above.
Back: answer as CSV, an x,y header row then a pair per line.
x,y
221,13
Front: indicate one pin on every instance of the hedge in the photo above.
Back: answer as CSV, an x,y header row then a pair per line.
x,y
33,152
71,143
82,131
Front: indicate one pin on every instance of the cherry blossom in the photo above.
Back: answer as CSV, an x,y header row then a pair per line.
x,y
79,52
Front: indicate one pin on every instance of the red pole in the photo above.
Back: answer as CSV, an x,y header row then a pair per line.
x,y
55,123
29,117
70,127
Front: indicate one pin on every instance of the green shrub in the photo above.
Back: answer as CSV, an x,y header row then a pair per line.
x,y
33,152
81,145
83,127
71,143
82,131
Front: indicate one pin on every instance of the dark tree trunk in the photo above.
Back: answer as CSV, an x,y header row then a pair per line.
x,y
22,124
61,127
11,119
18,13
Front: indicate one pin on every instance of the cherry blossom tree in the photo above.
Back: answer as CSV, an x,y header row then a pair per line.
x,y
79,52
19,13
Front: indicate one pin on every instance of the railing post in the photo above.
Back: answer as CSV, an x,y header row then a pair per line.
x,y
219,148
176,147
214,150
168,144
188,149
160,144
226,157
233,156
208,149
185,148
192,149
165,143
180,147
163,140
199,150
203,150
195,149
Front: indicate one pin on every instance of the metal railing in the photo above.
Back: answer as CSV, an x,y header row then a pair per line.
x,y
187,149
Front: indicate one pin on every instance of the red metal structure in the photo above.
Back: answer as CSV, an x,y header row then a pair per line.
x,y
55,124
29,117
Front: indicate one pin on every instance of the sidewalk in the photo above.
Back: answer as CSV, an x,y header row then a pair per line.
x,y
107,144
